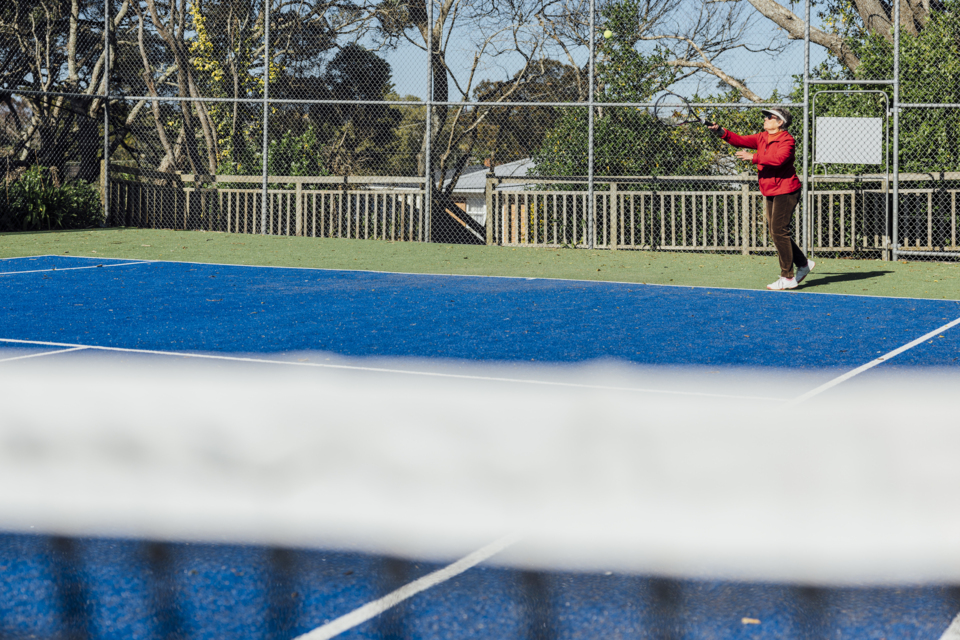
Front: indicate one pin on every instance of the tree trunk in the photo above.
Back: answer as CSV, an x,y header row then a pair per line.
x,y
794,26
439,112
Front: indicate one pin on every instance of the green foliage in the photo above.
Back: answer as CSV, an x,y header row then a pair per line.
x,y
35,202
360,137
929,73
297,155
841,17
627,141
327,138
623,73
406,138
337,138
507,133
291,155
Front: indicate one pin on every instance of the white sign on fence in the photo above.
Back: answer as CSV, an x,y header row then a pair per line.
x,y
849,141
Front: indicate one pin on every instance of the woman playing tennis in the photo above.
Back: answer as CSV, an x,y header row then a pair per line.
x,y
780,188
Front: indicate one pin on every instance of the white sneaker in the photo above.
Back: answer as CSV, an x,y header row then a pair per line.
x,y
782,284
803,272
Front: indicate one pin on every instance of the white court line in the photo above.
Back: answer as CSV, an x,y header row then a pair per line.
x,y
45,353
97,266
375,608
953,631
884,358
478,275
434,374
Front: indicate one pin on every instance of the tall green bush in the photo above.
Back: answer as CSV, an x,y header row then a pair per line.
x,y
35,202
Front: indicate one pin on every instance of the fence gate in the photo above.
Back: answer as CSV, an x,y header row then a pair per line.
x,y
851,131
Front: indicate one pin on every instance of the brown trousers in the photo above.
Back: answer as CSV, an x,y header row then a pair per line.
x,y
779,213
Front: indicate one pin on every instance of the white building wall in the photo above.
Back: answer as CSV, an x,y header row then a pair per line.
x,y
477,207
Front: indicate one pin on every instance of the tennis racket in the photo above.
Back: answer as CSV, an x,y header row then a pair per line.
x,y
671,114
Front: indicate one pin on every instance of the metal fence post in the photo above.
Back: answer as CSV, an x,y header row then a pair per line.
x,y
104,193
591,200
806,237
745,219
428,132
266,112
887,241
896,130
106,112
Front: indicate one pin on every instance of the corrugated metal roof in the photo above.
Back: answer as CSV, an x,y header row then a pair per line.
x,y
474,179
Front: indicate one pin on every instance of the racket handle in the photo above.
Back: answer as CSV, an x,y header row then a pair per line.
x,y
717,132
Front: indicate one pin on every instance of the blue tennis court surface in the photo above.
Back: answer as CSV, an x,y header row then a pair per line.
x,y
212,308
78,588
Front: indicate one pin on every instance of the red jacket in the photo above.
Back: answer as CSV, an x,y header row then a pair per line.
x,y
774,160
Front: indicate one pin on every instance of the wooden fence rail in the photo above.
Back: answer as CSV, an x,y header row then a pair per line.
x,y
360,208
715,213
844,218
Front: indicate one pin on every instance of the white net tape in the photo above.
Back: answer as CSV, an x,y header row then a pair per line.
x,y
859,485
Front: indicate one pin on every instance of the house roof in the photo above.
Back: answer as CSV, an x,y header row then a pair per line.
x,y
474,178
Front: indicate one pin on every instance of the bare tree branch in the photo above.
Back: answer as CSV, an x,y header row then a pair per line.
x,y
794,26
706,64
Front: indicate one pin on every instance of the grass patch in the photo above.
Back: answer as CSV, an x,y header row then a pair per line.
x,y
865,277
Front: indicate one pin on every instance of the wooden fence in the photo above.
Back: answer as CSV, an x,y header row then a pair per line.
x,y
848,214
142,197
721,213
387,208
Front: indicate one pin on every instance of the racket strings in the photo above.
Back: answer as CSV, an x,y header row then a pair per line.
x,y
667,112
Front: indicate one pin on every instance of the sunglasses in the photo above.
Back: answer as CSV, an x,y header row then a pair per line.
x,y
768,116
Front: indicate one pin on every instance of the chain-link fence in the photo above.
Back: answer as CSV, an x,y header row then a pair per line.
x,y
567,123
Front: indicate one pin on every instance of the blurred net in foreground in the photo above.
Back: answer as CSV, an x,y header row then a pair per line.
x,y
855,486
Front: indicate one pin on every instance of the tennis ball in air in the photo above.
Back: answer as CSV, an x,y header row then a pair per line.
x,y
608,34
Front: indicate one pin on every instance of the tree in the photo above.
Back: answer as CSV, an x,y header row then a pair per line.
x,y
851,23
56,46
692,37
627,141
511,133
407,138
496,29
339,138
930,72
359,135
857,32
215,49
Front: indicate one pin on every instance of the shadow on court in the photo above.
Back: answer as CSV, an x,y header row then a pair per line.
x,y
818,279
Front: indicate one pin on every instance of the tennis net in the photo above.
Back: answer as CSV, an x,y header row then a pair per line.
x,y
599,468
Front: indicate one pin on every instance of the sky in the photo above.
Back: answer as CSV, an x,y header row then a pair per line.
x,y
761,72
